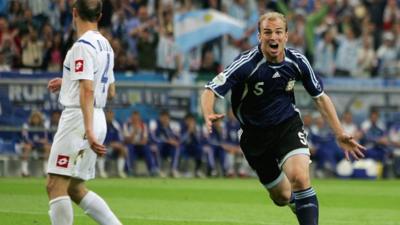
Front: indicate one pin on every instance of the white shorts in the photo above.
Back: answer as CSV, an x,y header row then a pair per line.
x,y
70,153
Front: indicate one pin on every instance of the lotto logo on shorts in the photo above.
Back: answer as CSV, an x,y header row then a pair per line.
x,y
62,161
78,65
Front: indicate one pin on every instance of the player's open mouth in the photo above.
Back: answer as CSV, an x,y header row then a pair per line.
x,y
273,46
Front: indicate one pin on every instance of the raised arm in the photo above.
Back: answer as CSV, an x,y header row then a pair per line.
x,y
207,105
346,142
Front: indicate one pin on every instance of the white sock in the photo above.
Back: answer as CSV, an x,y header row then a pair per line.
x,y
120,164
97,208
61,212
24,167
101,163
230,162
45,167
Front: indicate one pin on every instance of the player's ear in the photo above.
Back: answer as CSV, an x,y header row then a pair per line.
x,y
258,36
99,18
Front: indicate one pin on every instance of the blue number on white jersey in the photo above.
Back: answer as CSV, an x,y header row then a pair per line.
x,y
104,77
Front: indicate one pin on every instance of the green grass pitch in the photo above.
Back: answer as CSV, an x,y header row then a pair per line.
x,y
207,202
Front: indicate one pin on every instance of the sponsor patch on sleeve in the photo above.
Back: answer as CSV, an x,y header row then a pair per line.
x,y
79,65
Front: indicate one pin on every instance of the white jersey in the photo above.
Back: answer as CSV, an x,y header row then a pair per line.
x,y
90,58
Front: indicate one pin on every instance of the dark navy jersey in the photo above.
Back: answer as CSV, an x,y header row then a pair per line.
x,y
262,92
34,134
113,132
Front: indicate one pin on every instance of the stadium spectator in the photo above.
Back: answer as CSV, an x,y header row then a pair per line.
x,y
166,140
4,66
388,57
236,164
313,18
9,44
52,123
216,154
136,135
106,14
391,14
84,91
325,53
349,126
191,139
169,59
394,138
366,58
375,137
135,25
327,152
272,138
53,57
230,48
35,138
297,32
209,65
123,60
115,147
32,49
147,41
375,12
346,57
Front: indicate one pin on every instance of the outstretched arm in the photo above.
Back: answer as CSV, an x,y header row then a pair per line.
x,y
207,105
345,141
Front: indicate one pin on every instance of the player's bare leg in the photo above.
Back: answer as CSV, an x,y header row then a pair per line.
x,y
92,204
61,211
281,193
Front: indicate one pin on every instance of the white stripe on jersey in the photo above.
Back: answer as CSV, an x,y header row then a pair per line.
x,y
258,65
313,77
235,64
294,63
242,60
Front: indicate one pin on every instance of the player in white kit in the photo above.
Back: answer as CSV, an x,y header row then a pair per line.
x,y
87,81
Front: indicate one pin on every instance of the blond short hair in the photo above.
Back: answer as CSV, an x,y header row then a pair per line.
x,y
272,16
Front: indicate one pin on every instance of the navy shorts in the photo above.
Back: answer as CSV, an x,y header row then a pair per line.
x,y
267,149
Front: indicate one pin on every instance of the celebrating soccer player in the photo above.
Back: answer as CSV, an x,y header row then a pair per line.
x,y
271,135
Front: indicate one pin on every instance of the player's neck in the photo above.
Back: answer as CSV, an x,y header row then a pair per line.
x,y
275,60
83,27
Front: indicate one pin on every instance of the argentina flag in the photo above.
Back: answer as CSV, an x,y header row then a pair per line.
x,y
196,27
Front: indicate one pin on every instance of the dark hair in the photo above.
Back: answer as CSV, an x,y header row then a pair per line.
x,y
89,10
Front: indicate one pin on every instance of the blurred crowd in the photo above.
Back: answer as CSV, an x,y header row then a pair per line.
x,y
357,38
184,148
381,139
168,147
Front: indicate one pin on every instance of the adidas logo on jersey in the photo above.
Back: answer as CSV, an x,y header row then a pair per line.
x,y
276,75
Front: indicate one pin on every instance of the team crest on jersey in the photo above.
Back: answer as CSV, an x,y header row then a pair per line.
x,y
290,85
220,79
78,65
62,161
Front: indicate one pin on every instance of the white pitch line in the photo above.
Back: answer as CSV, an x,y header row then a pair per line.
x,y
335,222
